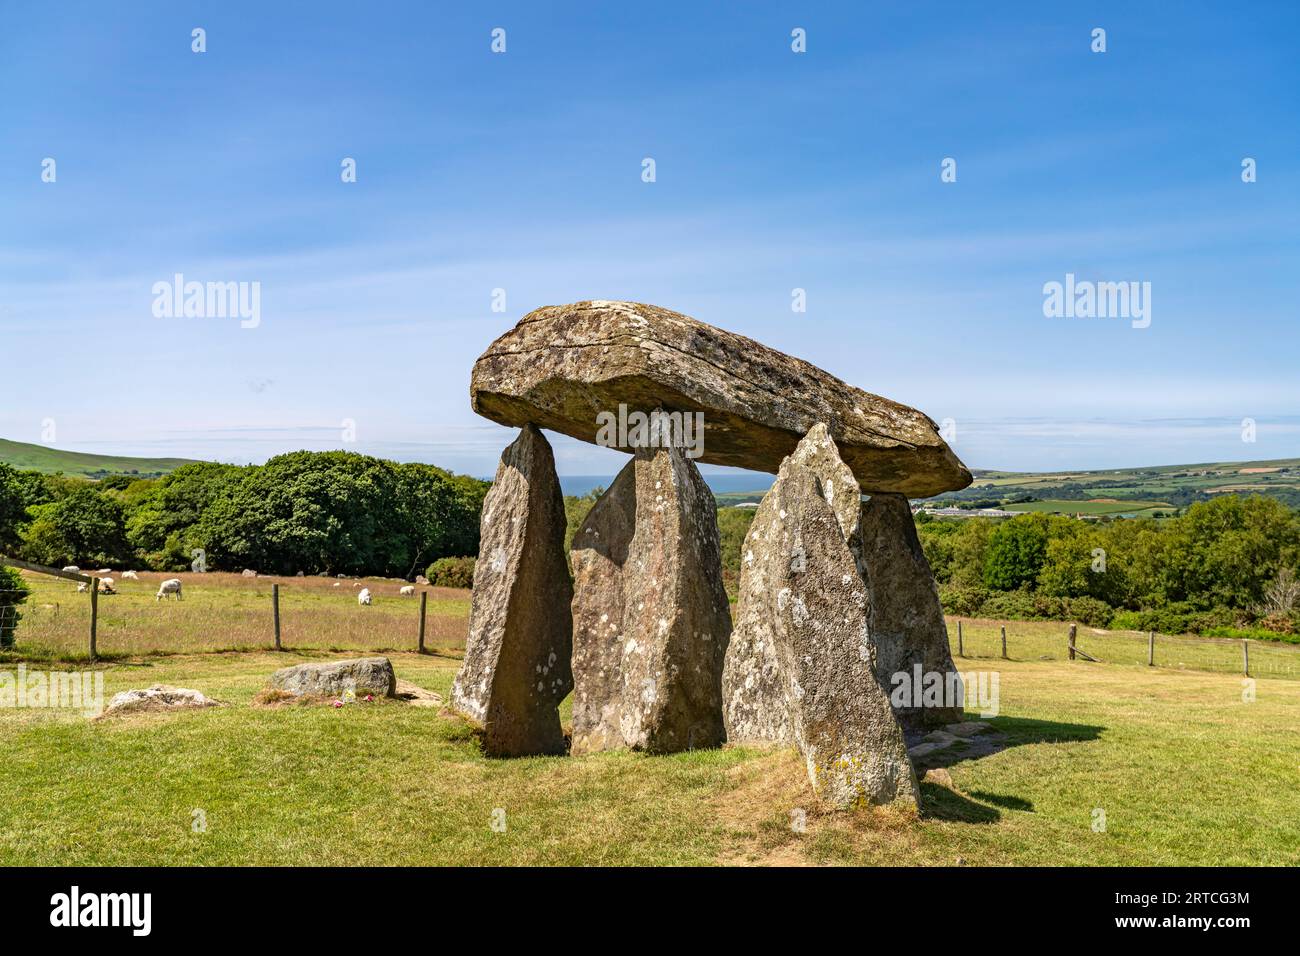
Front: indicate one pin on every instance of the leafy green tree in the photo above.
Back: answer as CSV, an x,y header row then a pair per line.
x,y
1017,549
733,526
84,526
328,511
13,506
576,509
173,504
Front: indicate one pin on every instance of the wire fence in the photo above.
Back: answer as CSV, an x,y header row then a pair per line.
x,y
1049,641
227,612
9,615
224,612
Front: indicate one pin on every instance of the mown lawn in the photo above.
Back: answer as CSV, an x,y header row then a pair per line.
x,y
1186,771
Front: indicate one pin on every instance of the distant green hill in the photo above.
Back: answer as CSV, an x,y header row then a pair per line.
x,y
39,458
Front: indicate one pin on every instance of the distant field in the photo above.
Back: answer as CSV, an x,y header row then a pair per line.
x,y
1068,507
27,457
1282,473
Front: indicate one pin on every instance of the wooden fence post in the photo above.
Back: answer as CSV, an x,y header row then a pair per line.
x,y
1004,642
1245,656
1151,649
1072,633
961,649
275,608
94,615
424,600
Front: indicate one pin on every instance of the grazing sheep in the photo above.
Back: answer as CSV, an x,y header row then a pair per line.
x,y
106,586
337,584
248,573
130,576
408,590
363,597
103,571
83,587
170,586
73,568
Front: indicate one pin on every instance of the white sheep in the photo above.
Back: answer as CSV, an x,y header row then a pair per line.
x,y
170,586
407,590
106,586
130,576
73,568
363,597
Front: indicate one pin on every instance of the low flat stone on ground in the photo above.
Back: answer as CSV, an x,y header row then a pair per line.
x,y
362,675
156,699
968,728
416,695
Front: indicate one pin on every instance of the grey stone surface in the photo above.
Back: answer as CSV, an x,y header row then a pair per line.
x,y
906,619
651,618
563,365
800,664
968,728
159,697
362,675
517,656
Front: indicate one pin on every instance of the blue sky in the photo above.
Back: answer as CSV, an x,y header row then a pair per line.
x,y
775,171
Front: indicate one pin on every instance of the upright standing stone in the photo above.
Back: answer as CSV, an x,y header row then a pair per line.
x,y
651,619
517,657
800,666
906,621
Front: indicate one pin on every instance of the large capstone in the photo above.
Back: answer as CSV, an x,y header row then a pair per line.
x,y
517,656
651,619
913,657
564,367
800,667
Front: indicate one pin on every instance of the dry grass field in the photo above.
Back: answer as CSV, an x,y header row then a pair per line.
x,y
225,612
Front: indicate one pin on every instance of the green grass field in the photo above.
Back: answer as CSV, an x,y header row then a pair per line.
x,y
24,456
1185,768
1154,481
1185,771
1098,507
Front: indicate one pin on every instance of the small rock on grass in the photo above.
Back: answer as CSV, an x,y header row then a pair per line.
x,y
364,675
156,699
967,728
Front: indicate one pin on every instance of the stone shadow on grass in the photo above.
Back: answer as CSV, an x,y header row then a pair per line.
x,y
972,740
994,736
940,803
